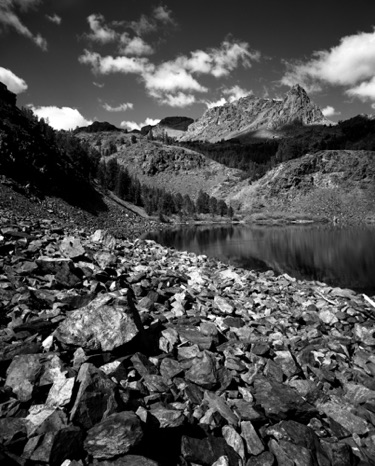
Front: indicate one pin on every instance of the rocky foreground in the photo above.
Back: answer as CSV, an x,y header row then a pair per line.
x,y
119,352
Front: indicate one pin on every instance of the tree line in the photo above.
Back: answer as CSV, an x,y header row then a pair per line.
x,y
157,201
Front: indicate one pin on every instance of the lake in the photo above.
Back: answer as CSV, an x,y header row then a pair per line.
x,y
337,255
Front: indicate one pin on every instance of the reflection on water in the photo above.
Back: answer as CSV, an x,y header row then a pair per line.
x,y
340,256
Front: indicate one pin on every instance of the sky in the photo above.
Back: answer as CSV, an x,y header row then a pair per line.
x,y
133,62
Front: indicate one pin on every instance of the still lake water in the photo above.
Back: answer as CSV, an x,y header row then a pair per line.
x,y
339,256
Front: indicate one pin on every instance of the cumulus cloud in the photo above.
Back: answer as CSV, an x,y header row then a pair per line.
x,y
118,108
236,92
54,18
350,64
100,85
109,64
173,82
364,90
169,76
219,61
9,18
146,24
330,111
127,43
134,46
163,14
130,125
99,31
180,99
12,81
61,118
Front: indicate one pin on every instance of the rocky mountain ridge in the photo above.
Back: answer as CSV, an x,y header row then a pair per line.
x,y
250,113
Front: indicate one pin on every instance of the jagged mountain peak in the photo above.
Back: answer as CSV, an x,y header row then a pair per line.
x,y
251,113
297,89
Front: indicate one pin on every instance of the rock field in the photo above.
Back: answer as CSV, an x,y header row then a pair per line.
x,y
123,352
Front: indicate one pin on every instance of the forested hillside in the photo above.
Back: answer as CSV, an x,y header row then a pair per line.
x,y
44,160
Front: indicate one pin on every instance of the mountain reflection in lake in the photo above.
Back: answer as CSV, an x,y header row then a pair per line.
x,y
339,256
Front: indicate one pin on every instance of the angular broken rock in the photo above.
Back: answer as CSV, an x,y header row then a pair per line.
x,y
71,247
54,448
280,401
22,374
203,371
167,417
223,305
114,436
101,325
218,404
253,443
95,397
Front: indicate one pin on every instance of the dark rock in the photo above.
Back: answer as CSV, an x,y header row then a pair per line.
x,y
280,401
127,460
264,459
203,371
95,397
167,418
55,447
114,436
207,451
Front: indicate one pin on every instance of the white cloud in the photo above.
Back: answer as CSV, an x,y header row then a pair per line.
x,y
99,31
163,14
144,25
169,77
54,18
217,103
9,19
351,63
12,81
133,125
364,90
173,82
109,64
134,46
219,61
236,92
180,99
330,111
61,118
119,108
100,85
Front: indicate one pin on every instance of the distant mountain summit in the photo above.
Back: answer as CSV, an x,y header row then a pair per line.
x,y
97,127
251,113
172,126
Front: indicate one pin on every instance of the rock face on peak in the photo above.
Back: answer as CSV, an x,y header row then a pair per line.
x,y
251,113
